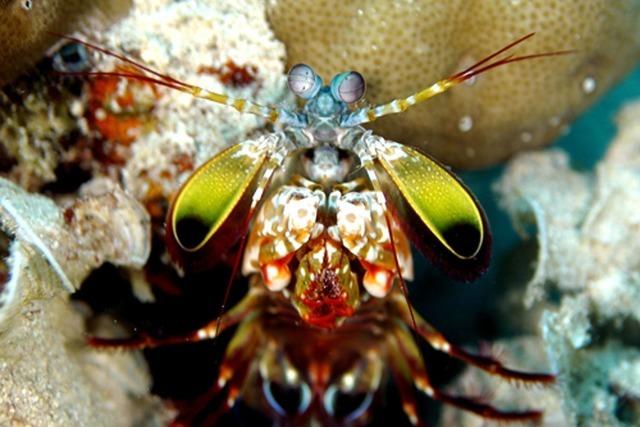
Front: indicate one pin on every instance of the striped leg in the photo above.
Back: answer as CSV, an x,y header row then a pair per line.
x,y
231,377
486,363
209,331
407,355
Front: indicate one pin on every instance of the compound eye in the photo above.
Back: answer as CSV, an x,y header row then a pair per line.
x,y
348,87
303,81
287,399
346,406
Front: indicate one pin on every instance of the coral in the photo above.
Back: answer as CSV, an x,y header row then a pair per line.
x,y
200,43
589,254
25,27
48,377
105,225
590,217
34,117
401,47
55,130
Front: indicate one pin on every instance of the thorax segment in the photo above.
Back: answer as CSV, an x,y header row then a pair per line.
x,y
325,244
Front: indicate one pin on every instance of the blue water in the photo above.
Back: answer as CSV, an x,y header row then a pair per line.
x,y
437,297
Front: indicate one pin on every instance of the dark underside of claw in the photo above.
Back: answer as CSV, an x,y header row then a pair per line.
x,y
190,245
464,238
192,231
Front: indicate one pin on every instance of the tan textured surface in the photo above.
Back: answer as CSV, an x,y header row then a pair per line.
x,y
24,27
48,378
48,375
403,46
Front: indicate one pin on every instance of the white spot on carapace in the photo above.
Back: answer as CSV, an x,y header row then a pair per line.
x,y
222,382
291,375
276,278
588,85
100,114
554,121
348,381
465,123
526,137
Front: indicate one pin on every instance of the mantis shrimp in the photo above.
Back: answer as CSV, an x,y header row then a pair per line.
x,y
324,212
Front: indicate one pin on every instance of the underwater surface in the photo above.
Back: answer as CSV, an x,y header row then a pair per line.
x,y
99,239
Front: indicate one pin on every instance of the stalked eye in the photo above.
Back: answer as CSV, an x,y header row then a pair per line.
x,y
303,81
344,406
348,87
287,399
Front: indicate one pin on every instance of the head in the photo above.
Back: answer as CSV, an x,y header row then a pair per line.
x,y
326,101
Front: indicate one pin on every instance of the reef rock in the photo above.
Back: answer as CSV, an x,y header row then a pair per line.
x,y
403,46
225,46
49,141
589,256
48,376
26,27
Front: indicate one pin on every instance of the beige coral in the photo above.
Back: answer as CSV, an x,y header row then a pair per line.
x,y
589,257
25,27
403,46
588,224
48,376
189,41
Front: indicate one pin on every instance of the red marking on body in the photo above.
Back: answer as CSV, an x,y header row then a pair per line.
x,y
327,300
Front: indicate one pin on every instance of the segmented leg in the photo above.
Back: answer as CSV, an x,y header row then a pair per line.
x,y
406,354
231,377
209,331
440,343
401,373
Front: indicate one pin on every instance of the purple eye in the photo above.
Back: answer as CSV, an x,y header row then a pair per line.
x,y
303,81
348,87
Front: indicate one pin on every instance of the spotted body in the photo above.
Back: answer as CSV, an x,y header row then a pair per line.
x,y
326,317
